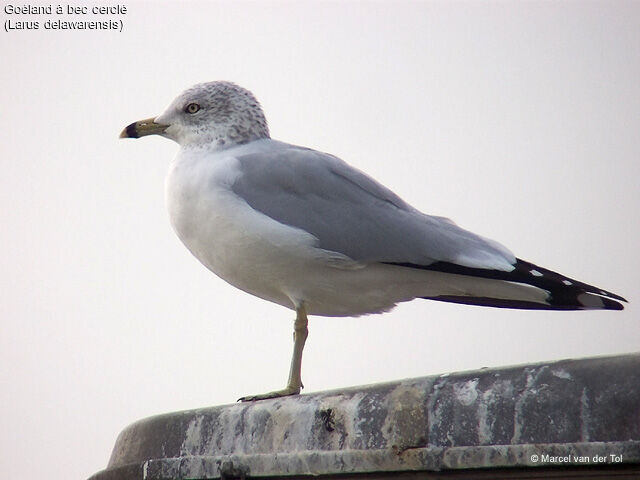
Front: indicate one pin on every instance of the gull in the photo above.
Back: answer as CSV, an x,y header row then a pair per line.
x,y
307,231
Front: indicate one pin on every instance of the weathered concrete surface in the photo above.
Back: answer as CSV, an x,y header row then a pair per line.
x,y
548,414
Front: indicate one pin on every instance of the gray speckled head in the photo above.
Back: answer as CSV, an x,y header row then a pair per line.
x,y
217,114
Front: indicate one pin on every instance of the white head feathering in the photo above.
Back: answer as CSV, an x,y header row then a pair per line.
x,y
216,114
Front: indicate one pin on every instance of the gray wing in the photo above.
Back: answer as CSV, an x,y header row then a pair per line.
x,y
350,213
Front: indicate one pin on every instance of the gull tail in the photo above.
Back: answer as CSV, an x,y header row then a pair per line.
x,y
494,288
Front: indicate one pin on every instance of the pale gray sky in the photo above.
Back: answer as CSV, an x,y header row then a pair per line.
x,y
519,120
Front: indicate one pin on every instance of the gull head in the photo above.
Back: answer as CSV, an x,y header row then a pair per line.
x,y
214,115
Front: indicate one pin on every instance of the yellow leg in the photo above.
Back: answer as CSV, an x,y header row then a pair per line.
x,y
294,385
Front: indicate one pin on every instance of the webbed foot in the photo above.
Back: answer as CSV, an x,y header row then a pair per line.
x,y
289,390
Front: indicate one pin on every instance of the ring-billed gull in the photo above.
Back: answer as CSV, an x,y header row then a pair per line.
x,y
307,231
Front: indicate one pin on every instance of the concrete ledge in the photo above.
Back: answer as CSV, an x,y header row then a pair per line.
x,y
581,414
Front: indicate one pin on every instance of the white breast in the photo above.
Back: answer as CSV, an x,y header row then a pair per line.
x,y
244,247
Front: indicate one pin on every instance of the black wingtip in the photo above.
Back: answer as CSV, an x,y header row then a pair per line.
x,y
596,303
564,293
609,304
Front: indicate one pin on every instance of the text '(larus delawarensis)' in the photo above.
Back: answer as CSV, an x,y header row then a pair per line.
x,y
305,230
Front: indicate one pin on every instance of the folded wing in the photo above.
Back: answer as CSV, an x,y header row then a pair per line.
x,y
350,213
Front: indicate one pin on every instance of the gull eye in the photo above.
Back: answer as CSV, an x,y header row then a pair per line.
x,y
192,108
